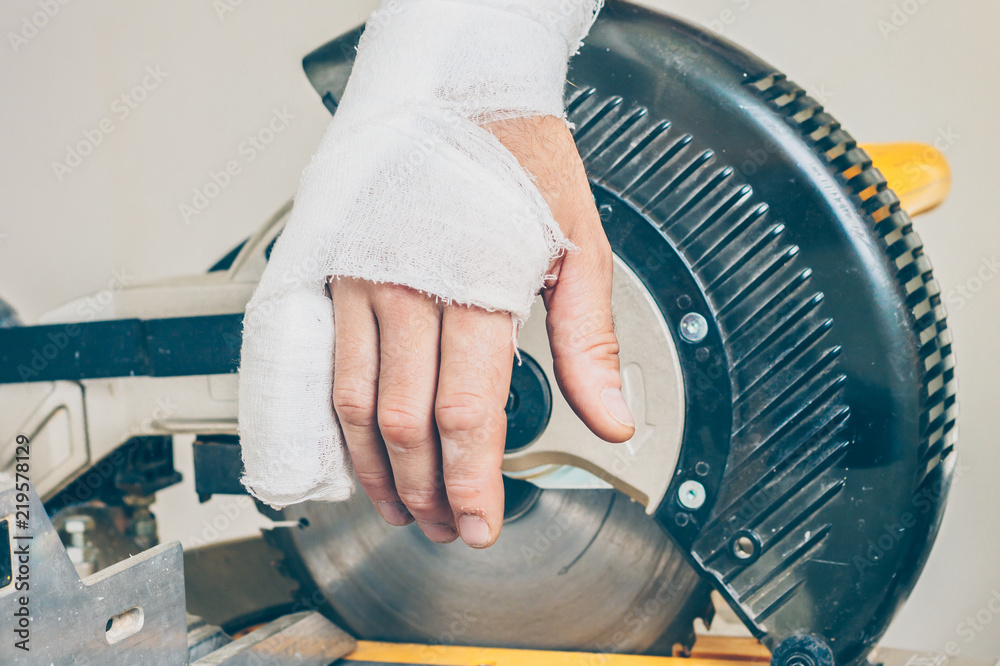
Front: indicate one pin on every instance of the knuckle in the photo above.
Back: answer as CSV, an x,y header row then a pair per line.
x,y
397,299
600,345
354,406
459,413
374,480
402,425
390,292
421,501
592,337
465,492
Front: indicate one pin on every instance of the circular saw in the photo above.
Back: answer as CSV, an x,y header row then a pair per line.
x,y
784,350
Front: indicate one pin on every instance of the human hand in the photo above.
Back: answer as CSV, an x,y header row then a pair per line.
x,y
420,387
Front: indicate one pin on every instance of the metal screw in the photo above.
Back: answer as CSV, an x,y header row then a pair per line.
x,y
694,327
77,527
691,495
83,556
142,523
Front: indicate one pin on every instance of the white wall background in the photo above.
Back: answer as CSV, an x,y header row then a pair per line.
x,y
226,72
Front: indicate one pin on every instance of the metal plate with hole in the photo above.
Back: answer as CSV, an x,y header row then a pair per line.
x,y
131,613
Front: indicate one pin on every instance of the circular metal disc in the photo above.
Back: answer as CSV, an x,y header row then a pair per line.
x,y
577,569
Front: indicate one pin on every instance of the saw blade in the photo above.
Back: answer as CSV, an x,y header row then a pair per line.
x,y
574,569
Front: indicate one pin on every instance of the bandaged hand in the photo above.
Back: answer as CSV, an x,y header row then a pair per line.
x,y
445,195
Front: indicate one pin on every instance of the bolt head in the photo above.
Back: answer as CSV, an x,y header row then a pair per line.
x,y
78,524
691,495
693,327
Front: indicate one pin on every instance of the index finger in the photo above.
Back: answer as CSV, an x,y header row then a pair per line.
x,y
473,386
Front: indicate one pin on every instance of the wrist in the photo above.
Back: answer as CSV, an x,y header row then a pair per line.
x,y
482,59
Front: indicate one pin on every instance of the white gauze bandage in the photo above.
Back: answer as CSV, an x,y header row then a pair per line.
x,y
406,188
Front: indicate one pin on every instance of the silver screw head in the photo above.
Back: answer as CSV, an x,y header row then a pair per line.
x,y
78,524
693,327
691,495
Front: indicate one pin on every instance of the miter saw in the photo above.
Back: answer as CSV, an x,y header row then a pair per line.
x,y
784,350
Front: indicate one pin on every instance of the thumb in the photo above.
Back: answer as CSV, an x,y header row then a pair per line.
x,y
582,338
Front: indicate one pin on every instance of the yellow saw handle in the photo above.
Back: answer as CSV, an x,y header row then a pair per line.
x,y
918,173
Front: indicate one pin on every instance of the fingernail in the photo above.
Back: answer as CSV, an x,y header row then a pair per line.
x,y
394,513
438,532
474,530
614,401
